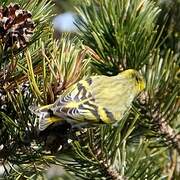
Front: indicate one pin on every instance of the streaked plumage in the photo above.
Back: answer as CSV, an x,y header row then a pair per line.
x,y
95,100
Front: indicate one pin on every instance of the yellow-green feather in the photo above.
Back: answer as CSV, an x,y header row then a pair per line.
x,y
98,99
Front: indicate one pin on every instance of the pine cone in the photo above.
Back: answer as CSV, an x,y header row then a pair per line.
x,y
16,26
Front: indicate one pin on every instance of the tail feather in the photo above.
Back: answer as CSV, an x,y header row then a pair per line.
x,y
44,121
46,117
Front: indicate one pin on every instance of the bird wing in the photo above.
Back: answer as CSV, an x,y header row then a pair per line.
x,y
114,93
79,105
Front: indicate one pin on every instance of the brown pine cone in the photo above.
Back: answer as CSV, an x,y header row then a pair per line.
x,y
16,26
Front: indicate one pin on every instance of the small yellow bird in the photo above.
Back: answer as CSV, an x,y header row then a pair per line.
x,y
95,100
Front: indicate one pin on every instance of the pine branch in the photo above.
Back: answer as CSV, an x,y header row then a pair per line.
x,y
169,133
119,33
107,153
161,125
21,141
161,104
109,171
160,72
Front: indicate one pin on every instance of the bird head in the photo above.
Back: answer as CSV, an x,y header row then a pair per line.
x,y
135,76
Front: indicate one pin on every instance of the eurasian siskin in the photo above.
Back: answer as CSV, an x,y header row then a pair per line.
x,y
95,100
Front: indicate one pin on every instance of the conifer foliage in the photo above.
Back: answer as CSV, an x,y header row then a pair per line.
x,y
114,35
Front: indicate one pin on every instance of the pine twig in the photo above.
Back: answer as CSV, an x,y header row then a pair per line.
x,y
169,133
160,122
112,173
172,166
109,171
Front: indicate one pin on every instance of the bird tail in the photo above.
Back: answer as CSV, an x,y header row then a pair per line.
x,y
45,114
